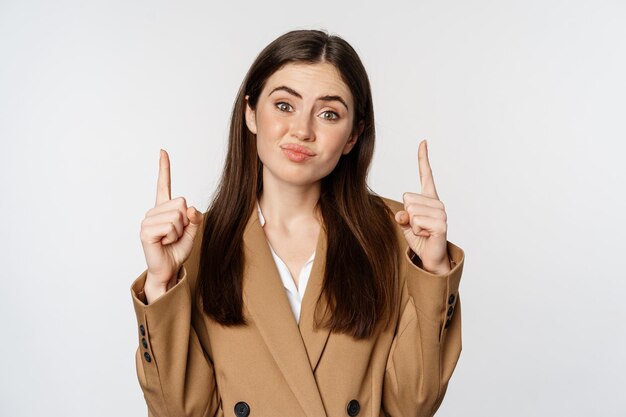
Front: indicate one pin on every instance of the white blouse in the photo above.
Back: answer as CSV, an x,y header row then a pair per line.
x,y
294,294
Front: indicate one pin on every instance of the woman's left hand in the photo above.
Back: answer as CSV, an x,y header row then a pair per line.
x,y
424,220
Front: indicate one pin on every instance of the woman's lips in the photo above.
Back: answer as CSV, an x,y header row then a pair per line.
x,y
297,153
296,156
298,148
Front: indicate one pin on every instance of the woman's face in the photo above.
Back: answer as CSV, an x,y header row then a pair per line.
x,y
306,105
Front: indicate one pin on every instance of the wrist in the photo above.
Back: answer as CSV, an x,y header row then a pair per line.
x,y
154,288
153,292
439,268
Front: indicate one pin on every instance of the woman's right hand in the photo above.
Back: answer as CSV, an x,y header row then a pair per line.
x,y
167,234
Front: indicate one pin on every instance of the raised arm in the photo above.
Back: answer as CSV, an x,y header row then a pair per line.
x,y
427,344
174,372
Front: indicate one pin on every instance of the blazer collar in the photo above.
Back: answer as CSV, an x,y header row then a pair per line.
x,y
296,348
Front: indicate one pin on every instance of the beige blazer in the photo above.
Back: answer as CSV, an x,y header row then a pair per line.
x,y
189,365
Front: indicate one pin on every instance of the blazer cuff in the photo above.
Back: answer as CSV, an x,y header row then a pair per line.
x,y
160,310
435,295
158,321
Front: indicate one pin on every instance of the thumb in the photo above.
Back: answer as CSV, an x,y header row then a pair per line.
x,y
402,217
195,220
194,216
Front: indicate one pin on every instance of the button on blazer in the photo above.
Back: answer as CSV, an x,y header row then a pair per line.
x,y
189,365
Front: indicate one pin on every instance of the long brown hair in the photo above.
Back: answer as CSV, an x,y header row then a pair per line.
x,y
360,278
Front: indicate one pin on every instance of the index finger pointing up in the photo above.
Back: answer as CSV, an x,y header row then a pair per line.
x,y
164,189
426,173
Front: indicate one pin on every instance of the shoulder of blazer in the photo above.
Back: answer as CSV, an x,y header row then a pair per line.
x,y
394,205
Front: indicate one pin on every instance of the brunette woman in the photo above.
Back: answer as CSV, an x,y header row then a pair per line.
x,y
299,292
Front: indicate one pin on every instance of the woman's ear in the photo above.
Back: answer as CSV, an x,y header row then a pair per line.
x,y
250,117
354,137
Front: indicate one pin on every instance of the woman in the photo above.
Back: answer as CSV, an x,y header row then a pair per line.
x,y
299,292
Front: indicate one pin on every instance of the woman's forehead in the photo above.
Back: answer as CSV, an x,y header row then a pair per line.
x,y
309,79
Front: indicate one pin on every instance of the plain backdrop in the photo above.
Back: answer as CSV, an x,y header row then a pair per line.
x,y
523,106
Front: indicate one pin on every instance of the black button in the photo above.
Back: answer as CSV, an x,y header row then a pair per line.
x,y
451,299
450,310
142,330
147,356
447,324
353,408
144,343
242,409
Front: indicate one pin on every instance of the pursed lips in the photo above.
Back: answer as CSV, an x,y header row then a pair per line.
x,y
298,148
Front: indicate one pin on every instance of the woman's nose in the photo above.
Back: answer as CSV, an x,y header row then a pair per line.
x,y
302,127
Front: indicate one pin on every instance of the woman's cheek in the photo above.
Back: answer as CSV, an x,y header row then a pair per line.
x,y
330,161
275,125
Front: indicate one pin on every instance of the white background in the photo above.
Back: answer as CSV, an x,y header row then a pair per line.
x,y
523,105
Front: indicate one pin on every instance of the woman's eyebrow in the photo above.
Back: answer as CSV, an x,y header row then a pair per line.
x,y
323,98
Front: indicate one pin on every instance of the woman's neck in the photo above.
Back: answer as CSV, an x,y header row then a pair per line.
x,y
287,206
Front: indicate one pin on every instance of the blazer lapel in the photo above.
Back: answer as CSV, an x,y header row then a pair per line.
x,y
295,353
314,339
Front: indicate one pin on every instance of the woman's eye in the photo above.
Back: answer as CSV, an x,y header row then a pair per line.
x,y
282,106
330,115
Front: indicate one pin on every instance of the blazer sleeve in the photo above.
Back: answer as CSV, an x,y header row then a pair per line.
x,y
427,342
175,373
